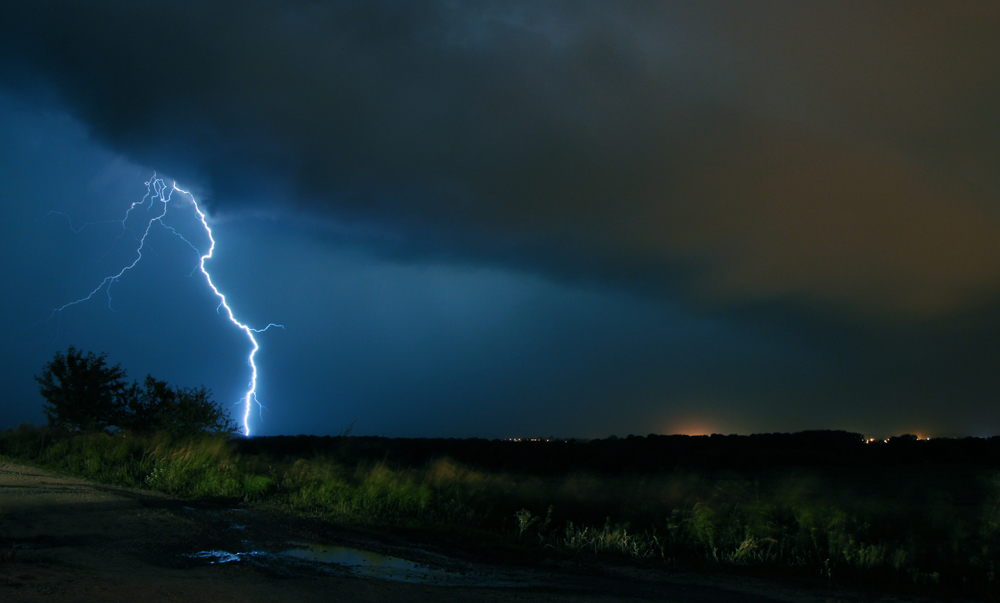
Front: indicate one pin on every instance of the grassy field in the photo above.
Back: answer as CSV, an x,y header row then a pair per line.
x,y
925,528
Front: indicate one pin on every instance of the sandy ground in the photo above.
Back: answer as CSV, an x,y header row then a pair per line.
x,y
66,539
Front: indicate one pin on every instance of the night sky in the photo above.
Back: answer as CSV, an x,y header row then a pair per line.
x,y
515,219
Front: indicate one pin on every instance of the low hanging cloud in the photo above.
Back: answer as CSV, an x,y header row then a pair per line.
x,y
843,154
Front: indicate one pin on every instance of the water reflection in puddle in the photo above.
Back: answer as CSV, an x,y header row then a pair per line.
x,y
360,563
213,557
370,564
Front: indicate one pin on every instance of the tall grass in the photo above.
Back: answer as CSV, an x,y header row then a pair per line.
x,y
919,528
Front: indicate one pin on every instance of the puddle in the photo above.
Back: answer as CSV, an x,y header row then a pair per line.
x,y
298,558
349,561
372,565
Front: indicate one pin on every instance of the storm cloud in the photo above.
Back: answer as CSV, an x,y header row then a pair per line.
x,y
826,171
841,154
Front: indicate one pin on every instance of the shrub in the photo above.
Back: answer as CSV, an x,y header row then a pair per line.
x,y
182,411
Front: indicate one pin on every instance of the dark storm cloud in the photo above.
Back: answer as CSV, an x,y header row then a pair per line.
x,y
841,154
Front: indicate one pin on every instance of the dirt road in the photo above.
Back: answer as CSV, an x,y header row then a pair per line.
x,y
65,539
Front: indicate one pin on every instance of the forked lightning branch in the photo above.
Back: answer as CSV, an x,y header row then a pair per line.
x,y
158,193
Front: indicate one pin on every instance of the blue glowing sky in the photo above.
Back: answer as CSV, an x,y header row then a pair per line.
x,y
521,219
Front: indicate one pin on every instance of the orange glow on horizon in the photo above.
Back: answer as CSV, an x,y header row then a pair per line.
x,y
691,426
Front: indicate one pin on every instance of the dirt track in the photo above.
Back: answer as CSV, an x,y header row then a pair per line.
x,y
65,539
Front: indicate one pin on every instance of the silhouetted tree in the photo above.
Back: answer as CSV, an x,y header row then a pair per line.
x,y
83,392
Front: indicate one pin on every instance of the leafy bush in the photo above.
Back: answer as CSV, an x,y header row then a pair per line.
x,y
182,411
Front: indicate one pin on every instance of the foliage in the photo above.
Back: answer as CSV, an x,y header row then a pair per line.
x,y
183,411
84,393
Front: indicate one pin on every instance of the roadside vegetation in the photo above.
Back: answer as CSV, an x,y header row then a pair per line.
x,y
903,515
930,530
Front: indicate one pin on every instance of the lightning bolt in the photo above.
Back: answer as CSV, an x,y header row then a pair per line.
x,y
158,191
251,394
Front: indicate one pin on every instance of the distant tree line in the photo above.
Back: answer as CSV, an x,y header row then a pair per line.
x,y
84,393
637,454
